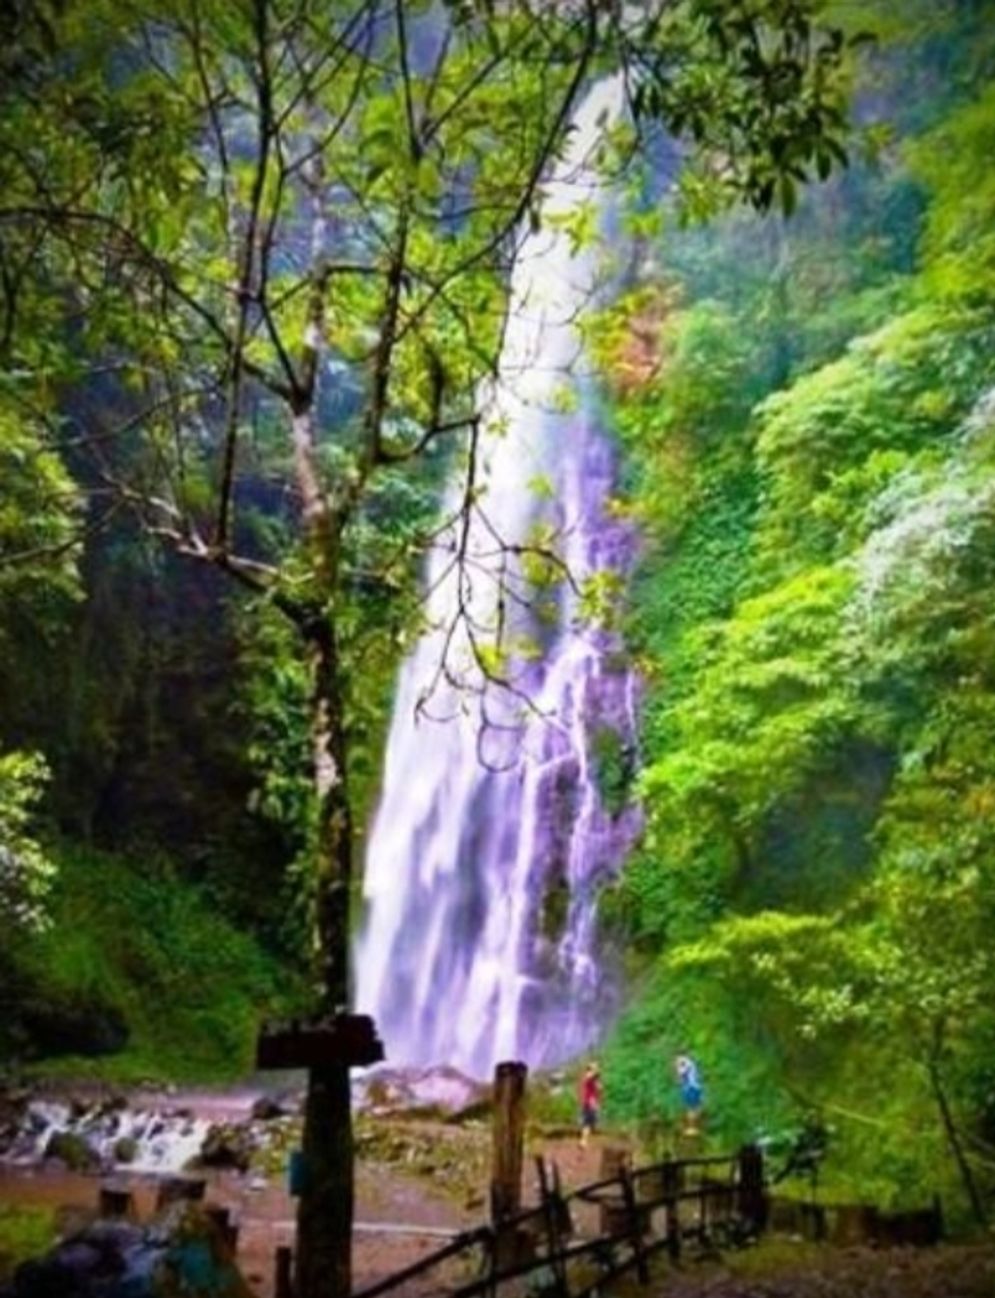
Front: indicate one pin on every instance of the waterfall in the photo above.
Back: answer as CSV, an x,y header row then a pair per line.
x,y
493,838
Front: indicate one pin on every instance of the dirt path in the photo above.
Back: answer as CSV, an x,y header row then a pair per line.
x,y
417,1173
265,1213
782,1270
432,1175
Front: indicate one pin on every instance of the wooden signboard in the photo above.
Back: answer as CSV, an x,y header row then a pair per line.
x,y
349,1039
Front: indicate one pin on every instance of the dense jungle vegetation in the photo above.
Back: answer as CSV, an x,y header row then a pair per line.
x,y
806,408
809,426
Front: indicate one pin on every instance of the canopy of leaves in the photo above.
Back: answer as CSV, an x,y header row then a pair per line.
x,y
813,457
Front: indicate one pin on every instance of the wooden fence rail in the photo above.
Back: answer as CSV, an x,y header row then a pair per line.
x,y
644,1211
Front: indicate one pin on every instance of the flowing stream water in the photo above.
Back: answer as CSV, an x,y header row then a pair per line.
x,y
496,828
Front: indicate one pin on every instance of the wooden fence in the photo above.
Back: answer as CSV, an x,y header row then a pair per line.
x,y
639,1212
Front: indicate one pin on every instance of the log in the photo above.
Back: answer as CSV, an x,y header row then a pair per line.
x,y
508,1140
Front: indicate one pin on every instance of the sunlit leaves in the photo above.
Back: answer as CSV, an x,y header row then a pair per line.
x,y
758,87
25,870
40,514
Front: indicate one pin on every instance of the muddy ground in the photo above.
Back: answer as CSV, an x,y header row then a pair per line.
x,y
420,1179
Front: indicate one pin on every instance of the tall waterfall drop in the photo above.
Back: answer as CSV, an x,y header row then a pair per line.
x,y
493,837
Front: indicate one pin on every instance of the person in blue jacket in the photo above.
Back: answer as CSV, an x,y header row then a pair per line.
x,y
692,1092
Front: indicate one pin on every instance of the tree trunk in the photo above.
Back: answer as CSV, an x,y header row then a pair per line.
x,y
956,1148
325,1206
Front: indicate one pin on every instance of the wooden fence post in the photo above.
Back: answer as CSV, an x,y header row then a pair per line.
x,y
493,1262
670,1179
508,1140
704,1210
284,1261
174,1189
635,1219
552,1214
563,1218
116,1201
221,1217
752,1193
614,1220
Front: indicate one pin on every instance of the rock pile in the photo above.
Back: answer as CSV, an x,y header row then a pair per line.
x,y
183,1253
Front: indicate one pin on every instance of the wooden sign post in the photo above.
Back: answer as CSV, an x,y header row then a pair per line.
x,y
315,1043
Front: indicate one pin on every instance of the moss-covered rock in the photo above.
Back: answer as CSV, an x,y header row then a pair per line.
x,y
73,1150
125,1149
228,1144
183,1254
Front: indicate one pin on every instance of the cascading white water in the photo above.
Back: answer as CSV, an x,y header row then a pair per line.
x,y
492,839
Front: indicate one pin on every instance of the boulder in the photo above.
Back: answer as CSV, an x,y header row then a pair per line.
x,y
73,1150
228,1144
183,1254
125,1149
439,1092
266,1108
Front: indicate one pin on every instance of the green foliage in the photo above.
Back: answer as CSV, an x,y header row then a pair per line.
x,y
25,1232
810,905
25,868
680,1012
612,768
758,89
39,520
831,442
130,942
288,240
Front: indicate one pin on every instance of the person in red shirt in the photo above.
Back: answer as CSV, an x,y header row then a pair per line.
x,y
590,1102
